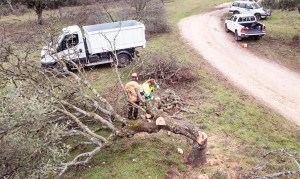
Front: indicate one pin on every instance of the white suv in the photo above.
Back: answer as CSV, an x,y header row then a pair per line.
x,y
249,7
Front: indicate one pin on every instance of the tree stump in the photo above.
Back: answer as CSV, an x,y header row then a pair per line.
x,y
197,155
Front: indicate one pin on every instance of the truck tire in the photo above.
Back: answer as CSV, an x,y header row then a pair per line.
x,y
258,16
226,29
235,12
123,60
59,71
237,37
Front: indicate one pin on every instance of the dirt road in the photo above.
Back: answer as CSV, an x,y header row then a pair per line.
x,y
276,86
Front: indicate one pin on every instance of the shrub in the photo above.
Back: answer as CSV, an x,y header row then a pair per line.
x,y
88,15
155,19
5,11
289,5
166,69
21,9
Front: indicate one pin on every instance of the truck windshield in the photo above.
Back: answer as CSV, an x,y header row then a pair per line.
x,y
255,6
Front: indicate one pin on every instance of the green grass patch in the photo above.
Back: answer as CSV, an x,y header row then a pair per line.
x,y
142,157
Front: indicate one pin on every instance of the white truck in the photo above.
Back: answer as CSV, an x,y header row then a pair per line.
x,y
245,25
97,45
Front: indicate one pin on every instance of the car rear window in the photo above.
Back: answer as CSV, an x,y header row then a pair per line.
x,y
246,19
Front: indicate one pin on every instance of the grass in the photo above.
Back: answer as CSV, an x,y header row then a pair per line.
x,y
144,157
240,129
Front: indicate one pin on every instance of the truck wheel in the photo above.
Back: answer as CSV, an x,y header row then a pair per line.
x,y
235,12
226,29
59,71
58,67
123,60
258,17
237,37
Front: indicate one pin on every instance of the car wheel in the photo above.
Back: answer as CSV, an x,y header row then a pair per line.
x,y
235,12
258,17
226,29
123,60
237,37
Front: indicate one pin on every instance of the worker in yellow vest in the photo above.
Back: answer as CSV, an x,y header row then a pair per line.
x,y
131,87
148,88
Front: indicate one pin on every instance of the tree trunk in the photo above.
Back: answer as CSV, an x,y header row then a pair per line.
x,y
197,155
40,21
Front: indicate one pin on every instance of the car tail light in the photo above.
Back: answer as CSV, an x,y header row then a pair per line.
x,y
264,27
243,30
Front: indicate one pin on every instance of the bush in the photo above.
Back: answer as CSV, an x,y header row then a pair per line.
x,y
28,140
21,9
155,19
270,3
88,15
5,11
166,69
289,5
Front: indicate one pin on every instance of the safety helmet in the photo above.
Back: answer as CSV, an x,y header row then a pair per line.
x,y
134,75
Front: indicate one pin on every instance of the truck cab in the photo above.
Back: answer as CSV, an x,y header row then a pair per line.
x,y
69,45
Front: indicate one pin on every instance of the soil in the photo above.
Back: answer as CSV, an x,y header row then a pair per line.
x,y
272,84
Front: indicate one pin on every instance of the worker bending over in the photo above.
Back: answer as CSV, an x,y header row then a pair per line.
x,y
148,88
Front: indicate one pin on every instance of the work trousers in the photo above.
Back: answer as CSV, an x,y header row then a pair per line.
x,y
133,111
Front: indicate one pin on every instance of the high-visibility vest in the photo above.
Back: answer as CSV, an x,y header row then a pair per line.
x,y
147,88
130,88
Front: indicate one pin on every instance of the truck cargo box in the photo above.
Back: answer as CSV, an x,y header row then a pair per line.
x,y
125,34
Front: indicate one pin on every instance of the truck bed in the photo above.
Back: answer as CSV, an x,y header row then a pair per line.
x,y
114,36
253,28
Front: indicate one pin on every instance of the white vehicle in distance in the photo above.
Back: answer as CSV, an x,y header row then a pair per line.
x,y
249,7
244,26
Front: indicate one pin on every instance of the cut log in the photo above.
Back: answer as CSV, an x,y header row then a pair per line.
x,y
148,116
160,121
